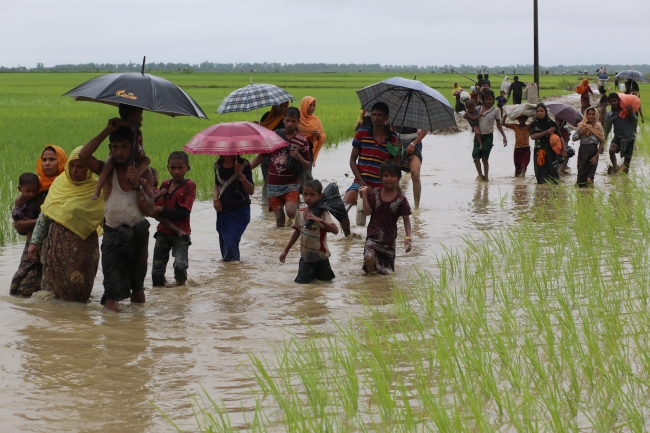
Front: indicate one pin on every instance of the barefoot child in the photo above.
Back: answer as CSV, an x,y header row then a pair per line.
x,y
522,144
27,206
174,236
385,206
472,115
129,116
314,254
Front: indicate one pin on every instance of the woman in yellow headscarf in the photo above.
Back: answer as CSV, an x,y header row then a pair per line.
x,y
67,229
310,126
27,278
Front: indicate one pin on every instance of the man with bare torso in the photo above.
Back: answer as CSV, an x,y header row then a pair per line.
x,y
129,200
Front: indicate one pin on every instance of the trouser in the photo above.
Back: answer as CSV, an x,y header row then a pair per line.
x,y
179,246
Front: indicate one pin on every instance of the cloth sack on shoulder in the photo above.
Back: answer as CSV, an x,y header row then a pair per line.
x,y
291,164
556,143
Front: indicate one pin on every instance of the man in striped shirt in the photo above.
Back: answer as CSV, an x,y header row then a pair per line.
x,y
370,149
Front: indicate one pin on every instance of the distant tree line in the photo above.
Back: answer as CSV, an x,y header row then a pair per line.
x,y
315,67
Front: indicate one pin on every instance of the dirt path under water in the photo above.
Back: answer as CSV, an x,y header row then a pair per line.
x,y
70,367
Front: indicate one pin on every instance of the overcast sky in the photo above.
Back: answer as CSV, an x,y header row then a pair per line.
x,y
397,32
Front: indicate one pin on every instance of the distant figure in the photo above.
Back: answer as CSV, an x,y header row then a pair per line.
x,y
516,89
455,92
592,140
585,92
501,101
486,80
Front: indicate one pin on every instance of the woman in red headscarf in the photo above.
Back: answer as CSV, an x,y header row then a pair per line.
x,y
310,126
27,278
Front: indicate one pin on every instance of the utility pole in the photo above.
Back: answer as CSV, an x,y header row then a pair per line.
x,y
536,48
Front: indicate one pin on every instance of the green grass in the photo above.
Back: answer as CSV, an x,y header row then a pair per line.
x,y
34,113
540,326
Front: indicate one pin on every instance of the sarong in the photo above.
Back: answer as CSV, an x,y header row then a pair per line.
x,y
27,279
547,172
231,226
70,264
586,170
310,271
124,260
383,254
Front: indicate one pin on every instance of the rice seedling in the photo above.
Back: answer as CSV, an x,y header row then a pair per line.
x,y
540,327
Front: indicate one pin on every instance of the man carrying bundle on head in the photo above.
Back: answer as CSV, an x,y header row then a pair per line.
x,y
624,122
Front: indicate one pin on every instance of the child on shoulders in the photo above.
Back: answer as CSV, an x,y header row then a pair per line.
x,y
385,206
312,231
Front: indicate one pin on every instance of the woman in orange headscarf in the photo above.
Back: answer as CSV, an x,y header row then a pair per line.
x,y
27,278
310,126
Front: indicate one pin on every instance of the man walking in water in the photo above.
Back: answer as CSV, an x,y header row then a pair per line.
x,y
129,199
624,133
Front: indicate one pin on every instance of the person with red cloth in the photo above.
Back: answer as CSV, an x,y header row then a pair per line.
x,y
177,207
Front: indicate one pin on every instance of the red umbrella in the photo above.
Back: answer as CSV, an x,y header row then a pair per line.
x,y
234,138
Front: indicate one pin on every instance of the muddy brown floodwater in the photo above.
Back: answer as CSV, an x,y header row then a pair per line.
x,y
70,367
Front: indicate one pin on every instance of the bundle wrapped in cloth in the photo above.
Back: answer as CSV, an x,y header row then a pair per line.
x,y
505,85
626,100
514,111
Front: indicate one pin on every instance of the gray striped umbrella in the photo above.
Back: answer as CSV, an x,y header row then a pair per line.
x,y
411,104
254,96
630,74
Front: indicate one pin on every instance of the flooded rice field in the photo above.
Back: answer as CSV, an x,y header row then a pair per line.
x,y
71,367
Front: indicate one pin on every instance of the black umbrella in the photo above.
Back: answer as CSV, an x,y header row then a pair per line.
x,y
331,202
141,90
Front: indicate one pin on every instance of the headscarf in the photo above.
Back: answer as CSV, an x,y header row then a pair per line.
x,y
583,87
310,123
546,122
456,88
595,129
69,204
272,119
44,182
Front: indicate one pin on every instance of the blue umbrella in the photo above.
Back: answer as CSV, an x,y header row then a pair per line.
x,y
411,103
630,74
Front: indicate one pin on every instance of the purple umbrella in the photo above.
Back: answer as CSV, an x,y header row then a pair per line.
x,y
562,111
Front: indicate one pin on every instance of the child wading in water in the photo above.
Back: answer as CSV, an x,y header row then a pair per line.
x,y
314,254
385,206
27,207
522,144
173,233
129,116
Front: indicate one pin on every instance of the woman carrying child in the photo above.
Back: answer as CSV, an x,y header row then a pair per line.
x,y
66,231
312,231
233,186
592,141
385,206
27,279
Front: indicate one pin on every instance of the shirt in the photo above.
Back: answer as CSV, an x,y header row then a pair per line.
x,y
501,101
313,241
234,196
383,220
623,128
487,119
372,155
182,197
517,88
278,172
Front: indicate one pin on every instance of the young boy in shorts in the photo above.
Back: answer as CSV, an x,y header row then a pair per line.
x,y
178,200
282,182
314,254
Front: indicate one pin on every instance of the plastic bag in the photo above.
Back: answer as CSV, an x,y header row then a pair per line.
x,y
505,85
514,111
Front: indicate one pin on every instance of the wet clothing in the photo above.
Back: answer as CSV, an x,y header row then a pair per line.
x,y
548,171
278,173
522,159
27,279
277,202
232,194
483,151
178,206
587,170
488,118
522,136
121,208
624,129
382,230
310,271
501,101
69,276
314,253
27,211
372,154
179,246
231,226
124,259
